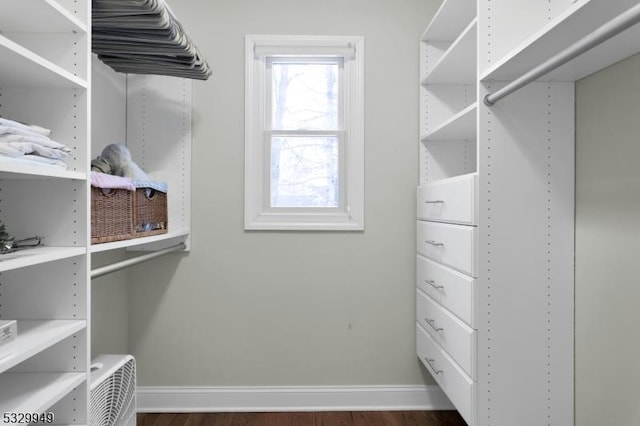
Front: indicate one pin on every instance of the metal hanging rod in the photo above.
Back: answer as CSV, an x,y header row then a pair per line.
x,y
98,272
601,34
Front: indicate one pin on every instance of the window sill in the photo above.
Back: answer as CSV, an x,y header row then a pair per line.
x,y
303,222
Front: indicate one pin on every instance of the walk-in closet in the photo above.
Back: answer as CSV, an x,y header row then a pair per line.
x,y
299,212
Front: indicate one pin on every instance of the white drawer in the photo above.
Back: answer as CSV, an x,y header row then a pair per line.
x,y
455,337
451,245
449,200
453,290
460,389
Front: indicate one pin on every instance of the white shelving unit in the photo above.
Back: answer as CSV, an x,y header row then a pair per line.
x,y
495,205
152,115
35,392
34,337
551,33
10,169
453,66
48,77
45,16
44,80
155,242
38,256
461,126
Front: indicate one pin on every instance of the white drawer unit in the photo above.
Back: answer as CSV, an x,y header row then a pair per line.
x,y
450,200
453,290
455,337
451,245
460,389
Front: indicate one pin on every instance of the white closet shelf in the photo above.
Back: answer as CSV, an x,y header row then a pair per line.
x,y
168,239
461,126
458,64
34,337
42,16
451,179
35,392
14,170
20,67
579,20
449,21
37,255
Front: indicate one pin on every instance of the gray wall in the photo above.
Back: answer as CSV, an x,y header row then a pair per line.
x,y
607,246
289,308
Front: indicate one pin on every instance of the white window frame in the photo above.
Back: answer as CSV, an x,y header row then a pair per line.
x,y
259,50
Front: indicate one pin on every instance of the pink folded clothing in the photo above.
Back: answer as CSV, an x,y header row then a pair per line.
x,y
105,181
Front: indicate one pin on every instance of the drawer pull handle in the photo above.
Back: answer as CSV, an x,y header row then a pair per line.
x,y
432,323
433,284
434,202
434,243
430,363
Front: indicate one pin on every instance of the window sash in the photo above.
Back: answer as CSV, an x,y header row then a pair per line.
x,y
302,59
269,133
342,175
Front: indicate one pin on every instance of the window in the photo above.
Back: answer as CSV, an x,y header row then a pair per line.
x,y
304,133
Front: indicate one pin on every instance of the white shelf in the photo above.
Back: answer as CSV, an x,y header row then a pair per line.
x,y
39,16
461,126
20,67
451,179
579,20
37,255
458,64
34,337
137,243
10,169
35,392
449,21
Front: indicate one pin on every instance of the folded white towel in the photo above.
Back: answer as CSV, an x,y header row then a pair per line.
x,y
15,149
42,140
30,127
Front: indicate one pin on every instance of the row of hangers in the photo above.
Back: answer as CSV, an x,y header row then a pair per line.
x,y
144,37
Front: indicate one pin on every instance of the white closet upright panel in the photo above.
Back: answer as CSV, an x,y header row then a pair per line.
x,y
45,80
525,281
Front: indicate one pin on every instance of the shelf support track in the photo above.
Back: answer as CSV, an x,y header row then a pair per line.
x,y
104,270
601,34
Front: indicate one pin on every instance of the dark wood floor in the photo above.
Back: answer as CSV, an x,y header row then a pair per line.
x,y
342,418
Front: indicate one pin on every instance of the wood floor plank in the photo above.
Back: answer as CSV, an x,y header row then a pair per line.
x,y
334,418
374,418
330,418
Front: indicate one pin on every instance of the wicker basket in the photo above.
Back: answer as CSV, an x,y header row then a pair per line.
x,y
150,212
111,215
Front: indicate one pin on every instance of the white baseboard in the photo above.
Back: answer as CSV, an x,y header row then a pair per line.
x,y
290,398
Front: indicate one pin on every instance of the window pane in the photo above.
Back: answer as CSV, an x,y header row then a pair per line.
x,y
304,171
305,96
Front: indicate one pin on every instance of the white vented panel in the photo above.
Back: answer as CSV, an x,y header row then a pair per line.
x,y
113,391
